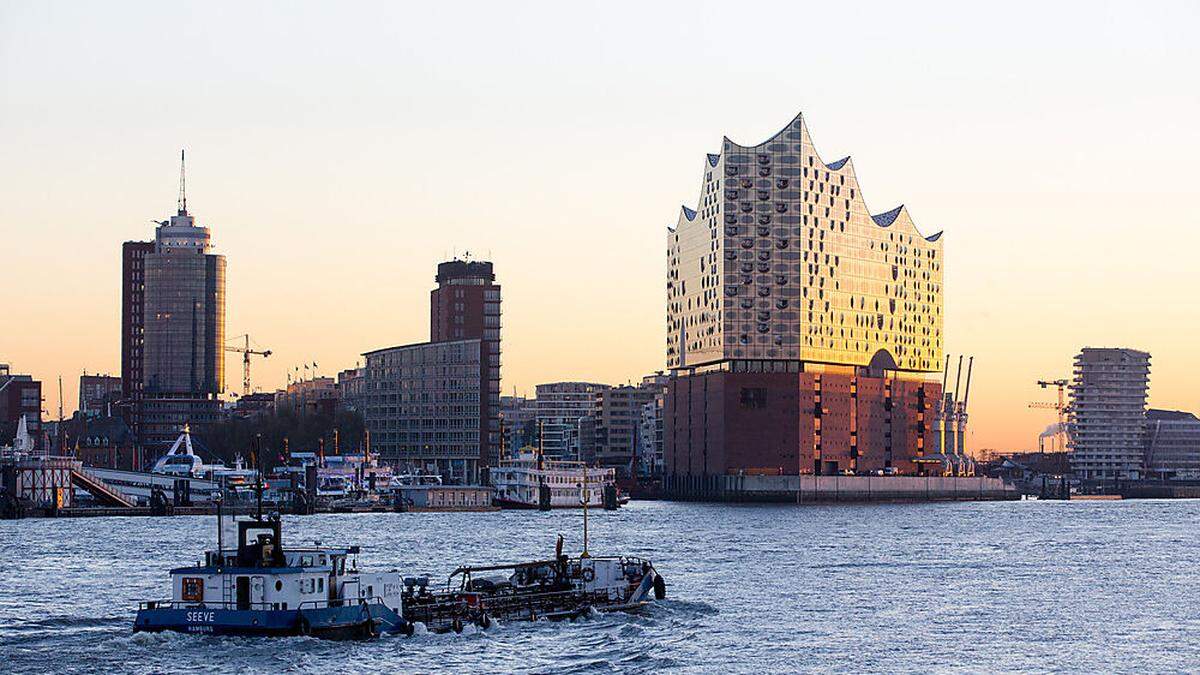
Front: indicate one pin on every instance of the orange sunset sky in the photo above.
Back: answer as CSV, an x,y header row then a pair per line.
x,y
338,152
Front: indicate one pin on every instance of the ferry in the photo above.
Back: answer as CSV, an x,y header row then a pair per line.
x,y
529,481
259,587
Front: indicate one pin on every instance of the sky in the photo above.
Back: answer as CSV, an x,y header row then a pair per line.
x,y
338,151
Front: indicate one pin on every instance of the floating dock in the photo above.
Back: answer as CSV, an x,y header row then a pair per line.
x,y
823,489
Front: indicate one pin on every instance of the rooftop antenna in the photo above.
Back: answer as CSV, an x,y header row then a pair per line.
x,y
182,185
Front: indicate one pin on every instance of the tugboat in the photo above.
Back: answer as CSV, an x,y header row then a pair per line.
x,y
561,588
259,587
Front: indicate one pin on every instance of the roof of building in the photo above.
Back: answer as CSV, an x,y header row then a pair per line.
x,y
796,131
1155,414
420,344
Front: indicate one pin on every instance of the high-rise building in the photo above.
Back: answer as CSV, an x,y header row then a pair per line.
x,y
183,348
560,408
1108,413
435,406
133,310
464,306
20,397
803,331
97,393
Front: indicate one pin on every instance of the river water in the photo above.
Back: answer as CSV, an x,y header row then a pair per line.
x,y
1000,586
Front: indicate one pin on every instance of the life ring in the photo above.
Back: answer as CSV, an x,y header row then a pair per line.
x,y
588,574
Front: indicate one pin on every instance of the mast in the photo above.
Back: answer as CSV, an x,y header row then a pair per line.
x,y
584,498
182,186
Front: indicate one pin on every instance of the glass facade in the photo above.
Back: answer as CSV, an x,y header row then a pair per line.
x,y
781,260
421,404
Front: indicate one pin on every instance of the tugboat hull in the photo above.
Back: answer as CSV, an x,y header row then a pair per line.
x,y
348,622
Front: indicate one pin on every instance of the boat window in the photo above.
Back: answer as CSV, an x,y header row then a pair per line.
x,y
321,584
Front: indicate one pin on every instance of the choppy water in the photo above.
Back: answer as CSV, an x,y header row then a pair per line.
x,y
1080,586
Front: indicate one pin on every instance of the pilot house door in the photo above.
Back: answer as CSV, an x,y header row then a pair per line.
x,y
243,592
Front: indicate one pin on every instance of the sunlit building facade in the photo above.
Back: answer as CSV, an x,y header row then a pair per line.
x,y
182,342
801,328
1108,413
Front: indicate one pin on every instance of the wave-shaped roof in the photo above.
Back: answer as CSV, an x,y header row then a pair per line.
x,y
796,132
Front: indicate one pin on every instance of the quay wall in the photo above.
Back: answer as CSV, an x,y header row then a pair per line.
x,y
820,489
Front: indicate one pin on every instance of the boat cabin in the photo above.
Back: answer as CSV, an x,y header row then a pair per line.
x,y
261,574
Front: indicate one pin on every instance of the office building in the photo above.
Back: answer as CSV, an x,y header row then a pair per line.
x,y
650,440
20,397
351,386
183,332
98,393
803,331
1108,413
1172,445
560,408
313,396
464,306
518,422
422,407
615,425
133,311
435,406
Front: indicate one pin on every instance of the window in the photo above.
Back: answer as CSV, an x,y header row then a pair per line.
x,y
753,397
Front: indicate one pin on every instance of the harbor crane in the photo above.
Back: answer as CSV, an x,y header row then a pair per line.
x,y
246,353
1061,407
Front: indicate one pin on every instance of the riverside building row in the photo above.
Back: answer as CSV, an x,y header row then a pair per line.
x,y
803,331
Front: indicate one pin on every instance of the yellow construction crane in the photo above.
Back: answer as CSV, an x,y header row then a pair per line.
x,y
1061,406
246,352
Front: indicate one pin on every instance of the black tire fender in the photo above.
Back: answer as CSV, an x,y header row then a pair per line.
x,y
660,587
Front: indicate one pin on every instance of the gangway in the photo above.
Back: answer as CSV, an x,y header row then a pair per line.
x,y
96,487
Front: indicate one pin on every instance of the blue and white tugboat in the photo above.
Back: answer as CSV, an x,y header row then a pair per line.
x,y
260,587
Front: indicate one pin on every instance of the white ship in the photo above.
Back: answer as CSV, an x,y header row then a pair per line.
x,y
181,460
524,481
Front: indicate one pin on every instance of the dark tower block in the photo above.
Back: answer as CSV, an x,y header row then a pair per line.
x,y
466,306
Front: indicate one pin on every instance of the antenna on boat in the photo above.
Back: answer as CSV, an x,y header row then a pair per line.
x,y
258,487
220,521
584,498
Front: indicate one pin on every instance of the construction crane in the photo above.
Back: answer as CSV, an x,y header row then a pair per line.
x,y
1061,406
246,353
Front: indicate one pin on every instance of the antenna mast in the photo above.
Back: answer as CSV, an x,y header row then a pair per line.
x,y
182,185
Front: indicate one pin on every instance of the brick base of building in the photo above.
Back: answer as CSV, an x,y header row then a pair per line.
x,y
823,423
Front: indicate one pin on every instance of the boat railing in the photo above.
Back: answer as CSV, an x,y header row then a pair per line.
x,y
261,606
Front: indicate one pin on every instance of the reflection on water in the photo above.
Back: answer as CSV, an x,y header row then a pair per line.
x,y
973,586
